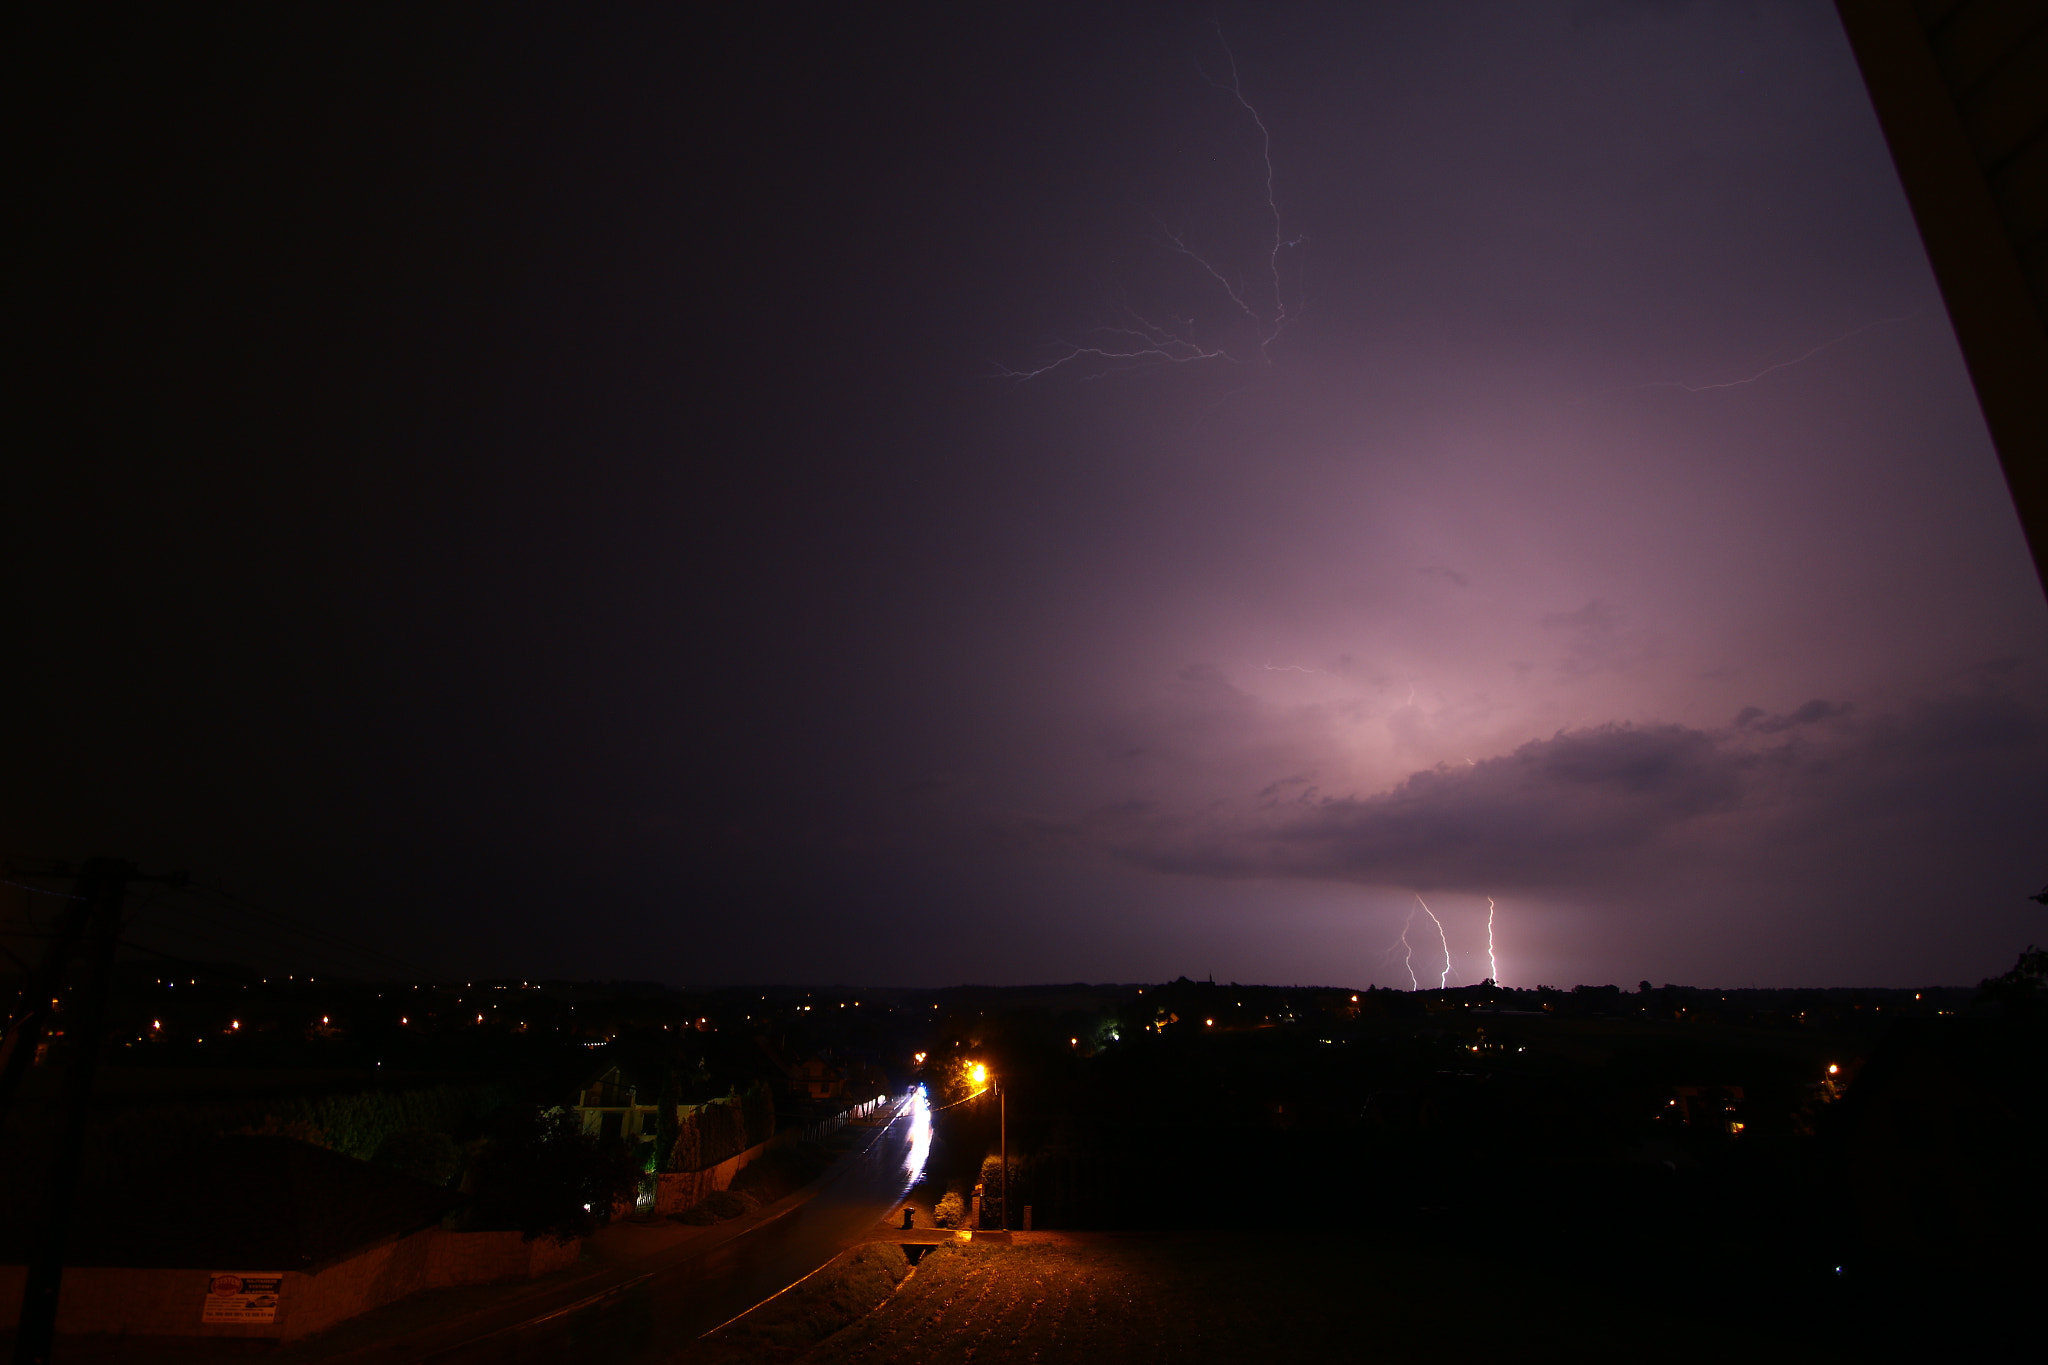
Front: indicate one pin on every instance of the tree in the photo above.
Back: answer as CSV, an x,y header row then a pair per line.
x,y
421,1154
2024,988
665,1126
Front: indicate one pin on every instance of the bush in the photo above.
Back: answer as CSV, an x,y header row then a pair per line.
x,y
421,1154
718,1133
951,1211
757,1114
541,1174
992,1191
667,1126
719,1130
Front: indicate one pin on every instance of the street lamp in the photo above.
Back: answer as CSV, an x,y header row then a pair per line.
x,y
1003,1108
980,1075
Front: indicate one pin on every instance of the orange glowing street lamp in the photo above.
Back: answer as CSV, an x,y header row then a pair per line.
x,y
1003,1108
980,1075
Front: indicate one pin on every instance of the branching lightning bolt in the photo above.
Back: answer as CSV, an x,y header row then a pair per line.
x,y
1444,938
1145,343
1139,341
1268,328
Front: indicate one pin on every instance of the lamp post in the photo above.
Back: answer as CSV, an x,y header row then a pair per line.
x,y
980,1075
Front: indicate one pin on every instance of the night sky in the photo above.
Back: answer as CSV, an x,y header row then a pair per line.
x,y
547,491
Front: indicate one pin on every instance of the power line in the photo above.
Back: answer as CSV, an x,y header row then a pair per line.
x,y
41,890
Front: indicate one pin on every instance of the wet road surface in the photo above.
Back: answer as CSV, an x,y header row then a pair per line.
x,y
663,1309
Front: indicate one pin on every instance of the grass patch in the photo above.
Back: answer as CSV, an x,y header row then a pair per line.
x,y
783,1329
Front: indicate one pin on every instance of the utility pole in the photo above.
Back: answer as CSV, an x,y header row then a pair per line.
x,y
1003,1101
102,885
25,1032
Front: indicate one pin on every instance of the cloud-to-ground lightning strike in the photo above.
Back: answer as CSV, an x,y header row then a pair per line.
x,y
1444,938
1139,341
1407,951
1492,964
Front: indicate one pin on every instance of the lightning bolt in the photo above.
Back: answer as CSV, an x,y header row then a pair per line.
x,y
1492,966
1407,952
1445,979
1139,341
1783,364
1145,343
1771,369
1269,329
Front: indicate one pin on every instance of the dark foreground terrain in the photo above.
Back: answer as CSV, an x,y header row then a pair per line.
x,y
1332,1296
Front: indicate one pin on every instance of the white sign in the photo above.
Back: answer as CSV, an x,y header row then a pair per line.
x,y
242,1298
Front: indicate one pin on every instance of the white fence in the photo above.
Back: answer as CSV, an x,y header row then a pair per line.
x,y
823,1128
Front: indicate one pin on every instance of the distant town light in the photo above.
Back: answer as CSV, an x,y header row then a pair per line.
x,y
1832,1068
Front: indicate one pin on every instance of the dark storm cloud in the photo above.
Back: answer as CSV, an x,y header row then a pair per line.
x,y
1757,719
1586,807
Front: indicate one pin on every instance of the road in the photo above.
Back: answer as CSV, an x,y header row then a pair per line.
x,y
654,1314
